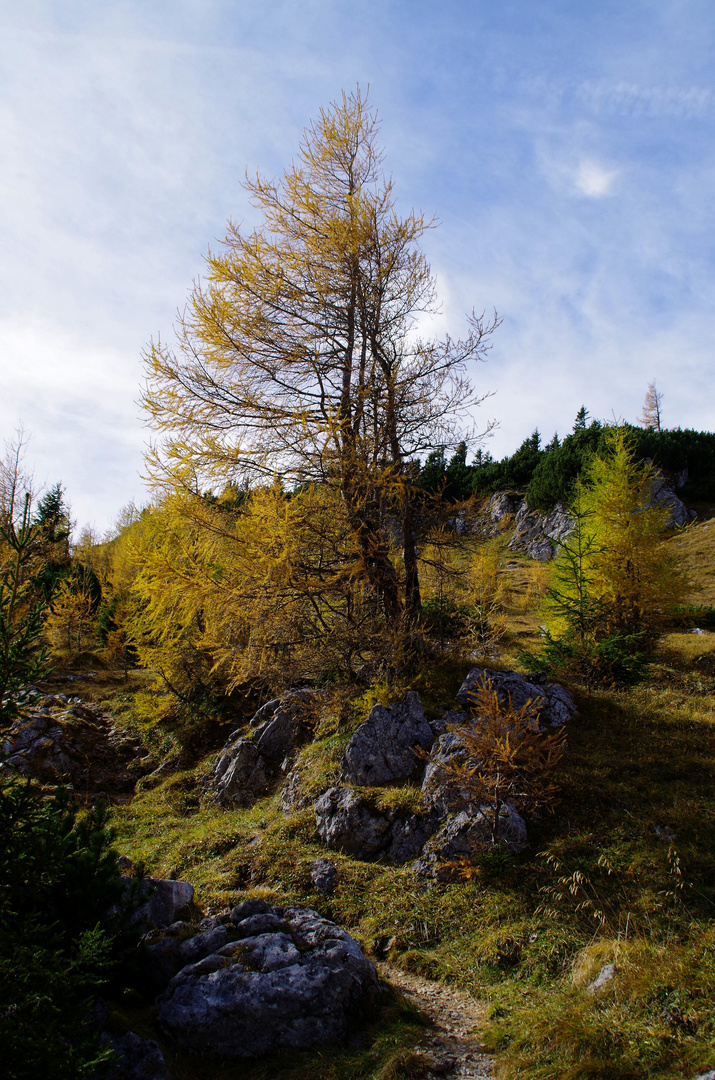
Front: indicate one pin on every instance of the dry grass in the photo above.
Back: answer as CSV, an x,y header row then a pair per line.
x,y
624,872
696,547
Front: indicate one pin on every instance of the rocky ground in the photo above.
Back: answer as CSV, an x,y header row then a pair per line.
x,y
292,959
63,740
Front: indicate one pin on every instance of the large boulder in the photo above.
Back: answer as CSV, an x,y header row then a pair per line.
x,y
291,986
241,774
409,835
466,834
387,746
135,1058
554,702
249,765
441,789
348,823
166,901
284,727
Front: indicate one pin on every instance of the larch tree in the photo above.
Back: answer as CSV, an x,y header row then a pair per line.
x,y
298,355
651,416
615,580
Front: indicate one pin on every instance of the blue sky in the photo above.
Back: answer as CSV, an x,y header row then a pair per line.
x,y
567,149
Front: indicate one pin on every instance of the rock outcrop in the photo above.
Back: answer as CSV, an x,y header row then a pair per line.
x,y
285,979
250,764
463,835
61,740
386,747
538,534
452,824
135,1058
348,822
663,494
166,900
554,702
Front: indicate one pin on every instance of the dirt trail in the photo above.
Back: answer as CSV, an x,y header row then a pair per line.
x,y
452,1046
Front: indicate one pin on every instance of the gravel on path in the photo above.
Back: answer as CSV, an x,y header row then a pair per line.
x,y
451,1046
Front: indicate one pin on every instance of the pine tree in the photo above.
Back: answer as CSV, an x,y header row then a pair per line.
x,y
581,420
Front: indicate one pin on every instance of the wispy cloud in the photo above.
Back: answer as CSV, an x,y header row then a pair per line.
x,y
569,151
594,180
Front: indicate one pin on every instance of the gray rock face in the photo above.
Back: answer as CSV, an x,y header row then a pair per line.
x,y
663,494
348,823
66,741
137,1059
249,767
538,534
440,789
409,835
290,989
464,835
555,703
167,901
241,774
501,505
323,876
293,796
384,748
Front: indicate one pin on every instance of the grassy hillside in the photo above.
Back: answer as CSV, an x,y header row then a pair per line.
x,y
623,873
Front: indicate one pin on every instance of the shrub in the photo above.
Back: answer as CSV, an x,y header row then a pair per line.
x,y
59,880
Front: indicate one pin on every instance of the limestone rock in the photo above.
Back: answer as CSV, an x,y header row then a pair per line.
x,y
165,903
537,534
291,989
241,774
137,1059
323,876
249,766
555,703
293,795
409,835
348,823
663,494
65,741
385,748
440,789
464,835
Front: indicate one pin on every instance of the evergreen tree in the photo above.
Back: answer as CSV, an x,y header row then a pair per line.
x,y
53,525
581,419
22,657
614,580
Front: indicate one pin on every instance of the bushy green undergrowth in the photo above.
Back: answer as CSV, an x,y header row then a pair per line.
x,y
623,872
63,915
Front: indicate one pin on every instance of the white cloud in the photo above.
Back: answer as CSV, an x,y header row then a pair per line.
x,y
594,180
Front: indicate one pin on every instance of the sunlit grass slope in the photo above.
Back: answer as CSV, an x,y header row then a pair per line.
x,y
623,873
